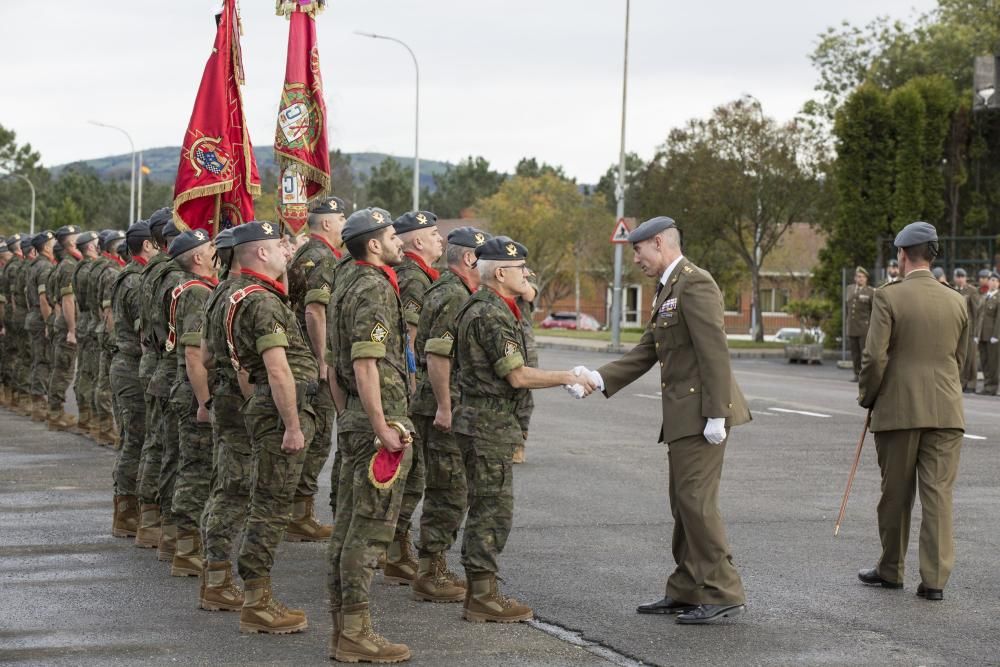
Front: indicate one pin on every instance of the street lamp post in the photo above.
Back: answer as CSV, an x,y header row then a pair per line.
x,y
30,185
416,131
616,293
131,191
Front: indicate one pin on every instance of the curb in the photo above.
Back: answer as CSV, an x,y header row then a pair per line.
x,y
608,349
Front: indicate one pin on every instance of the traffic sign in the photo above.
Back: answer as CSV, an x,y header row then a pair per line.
x,y
620,235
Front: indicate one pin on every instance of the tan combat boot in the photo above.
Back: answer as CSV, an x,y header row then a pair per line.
x,y
5,396
188,560
24,404
106,434
337,617
168,543
359,641
485,603
304,526
400,566
126,518
218,592
518,454
147,536
39,409
60,421
436,583
262,613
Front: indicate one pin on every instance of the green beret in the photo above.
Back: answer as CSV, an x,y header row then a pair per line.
x,y
501,248
468,237
365,221
414,220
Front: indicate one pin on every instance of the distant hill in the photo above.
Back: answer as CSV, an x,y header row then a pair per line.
x,y
162,163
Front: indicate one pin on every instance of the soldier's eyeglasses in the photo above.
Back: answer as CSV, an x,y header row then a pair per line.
x,y
524,267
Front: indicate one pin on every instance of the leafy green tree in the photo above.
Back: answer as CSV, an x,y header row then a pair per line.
x,y
908,117
342,182
532,168
461,186
390,186
608,184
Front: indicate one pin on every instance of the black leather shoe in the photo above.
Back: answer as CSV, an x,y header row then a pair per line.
x,y
870,577
710,613
929,593
667,605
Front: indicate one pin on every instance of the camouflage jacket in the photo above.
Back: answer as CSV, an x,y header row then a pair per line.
x,y
489,344
264,320
100,295
125,309
216,308
81,282
35,285
369,325
306,262
14,302
414,281
151,353
321,285
441,304
187,318
17,273
162,381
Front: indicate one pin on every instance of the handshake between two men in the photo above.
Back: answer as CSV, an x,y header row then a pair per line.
x,y
589,381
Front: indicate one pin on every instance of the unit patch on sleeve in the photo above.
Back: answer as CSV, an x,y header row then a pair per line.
x,y
379,333
510,348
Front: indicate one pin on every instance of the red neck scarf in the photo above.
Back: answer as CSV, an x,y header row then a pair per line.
x,y
211,280
75,254
140,260
114,258
336,253
277,286
433,274
510,304
464,282
389,272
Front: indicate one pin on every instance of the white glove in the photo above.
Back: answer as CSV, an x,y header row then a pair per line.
x,y
596,378
575,390
994,340
975,339
715,430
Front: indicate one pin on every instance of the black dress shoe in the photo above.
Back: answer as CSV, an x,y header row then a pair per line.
x,y
929,593
667,605
870,577
710,613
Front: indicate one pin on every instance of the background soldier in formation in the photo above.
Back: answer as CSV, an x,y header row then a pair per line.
x,y
446,488
39,319
892,272
859,311
88,357
103,277
326,219
918,447
988,336
10,256
18,277
973,301
422,246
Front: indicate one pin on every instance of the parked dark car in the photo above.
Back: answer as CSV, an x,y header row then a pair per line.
x,y
568,320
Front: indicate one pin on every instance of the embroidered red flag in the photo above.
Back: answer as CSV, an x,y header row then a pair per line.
x,y
300,138
217,176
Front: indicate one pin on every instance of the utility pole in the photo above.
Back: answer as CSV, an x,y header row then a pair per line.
x,y
616,293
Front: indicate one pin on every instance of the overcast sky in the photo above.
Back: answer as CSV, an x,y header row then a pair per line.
x,y
500,79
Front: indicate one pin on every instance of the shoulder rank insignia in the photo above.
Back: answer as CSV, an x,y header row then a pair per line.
x,y
688,269
447,336
379,333
309,264
278,329
412,306
510,348
325,287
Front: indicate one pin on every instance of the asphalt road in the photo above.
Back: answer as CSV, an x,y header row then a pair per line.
x,y
591,540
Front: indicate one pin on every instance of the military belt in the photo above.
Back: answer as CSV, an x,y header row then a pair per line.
x,y
310,388
487,402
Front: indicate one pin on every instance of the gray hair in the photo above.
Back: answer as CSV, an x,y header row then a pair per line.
x,y
672,237
455,253
487,269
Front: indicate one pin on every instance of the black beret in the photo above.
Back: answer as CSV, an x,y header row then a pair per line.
x,y
500,248
915,233
328,205
187,241
960,273
3,245
893,262
15,239
27,242
67,230
109,236
224,239
365,221
984,273
123,251
85,238
255,230
160,217
651,228
41,238
468,237
170,230
414,220
139,229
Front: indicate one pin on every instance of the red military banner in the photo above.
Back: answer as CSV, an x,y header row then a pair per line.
x,y
300,138
217,176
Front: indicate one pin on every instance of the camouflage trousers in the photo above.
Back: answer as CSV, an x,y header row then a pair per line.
x,y
414,490
131,422
104,401
7,354
170,443
152,450
319,448
86,370
41,352
20,362
194,467
232,471
489,472
365,522
275,477
61,371
446,493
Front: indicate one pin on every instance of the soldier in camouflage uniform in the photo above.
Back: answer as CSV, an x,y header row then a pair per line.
x,y
6,350
446,490
326,219
128,388
367,340
17,274
37,321
492,378
232,467
526,304
83,387
64,329
265,340
193,253
151,523
103,278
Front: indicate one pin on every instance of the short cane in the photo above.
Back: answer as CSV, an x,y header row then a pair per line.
x,y
854,470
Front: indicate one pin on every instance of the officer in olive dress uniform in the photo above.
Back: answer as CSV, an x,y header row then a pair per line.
x,y
973,302
911,382
988,336
859,311
701,403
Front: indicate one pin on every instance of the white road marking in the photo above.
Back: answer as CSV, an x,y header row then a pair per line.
x,y
974,437
655,398
800,412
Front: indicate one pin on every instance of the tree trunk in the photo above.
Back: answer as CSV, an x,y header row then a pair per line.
x,y
757,312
